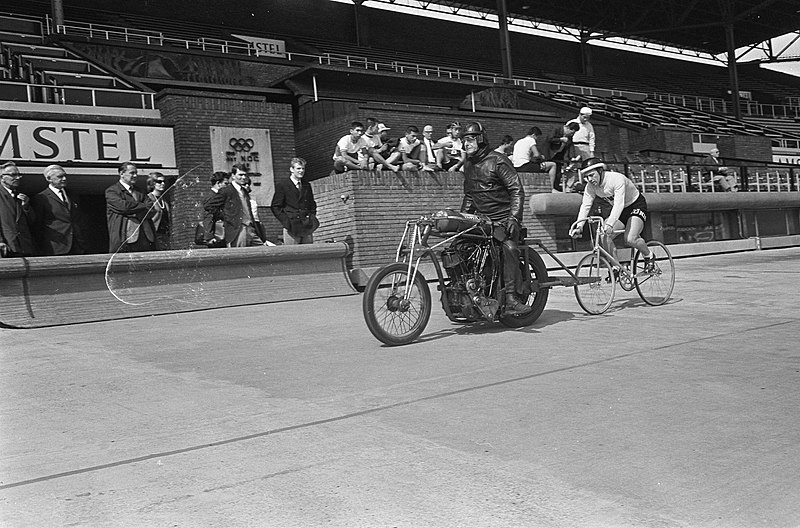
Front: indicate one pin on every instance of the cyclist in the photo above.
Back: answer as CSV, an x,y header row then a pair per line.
x,y
629,208
492,187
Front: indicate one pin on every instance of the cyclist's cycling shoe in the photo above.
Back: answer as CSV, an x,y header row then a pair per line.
x,y
615,277
650,263
515,307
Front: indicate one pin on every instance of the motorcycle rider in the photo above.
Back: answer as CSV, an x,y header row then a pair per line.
x,y
493,188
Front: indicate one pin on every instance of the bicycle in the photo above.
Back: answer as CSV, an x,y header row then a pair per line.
x,y
598,272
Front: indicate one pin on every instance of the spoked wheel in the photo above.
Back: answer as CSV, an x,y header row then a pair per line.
x,y
596,285
655,279
396,310
537,298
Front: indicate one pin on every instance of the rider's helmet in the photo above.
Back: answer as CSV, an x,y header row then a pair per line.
x,y
477,130
592,164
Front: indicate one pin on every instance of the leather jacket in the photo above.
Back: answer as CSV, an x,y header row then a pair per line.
x,y
492,186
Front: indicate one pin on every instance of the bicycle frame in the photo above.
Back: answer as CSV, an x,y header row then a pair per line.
x,y
598,249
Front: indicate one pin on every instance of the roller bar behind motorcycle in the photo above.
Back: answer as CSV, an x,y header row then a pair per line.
x,y
469,273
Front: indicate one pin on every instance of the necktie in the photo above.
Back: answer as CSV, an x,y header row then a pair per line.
x,y
63,195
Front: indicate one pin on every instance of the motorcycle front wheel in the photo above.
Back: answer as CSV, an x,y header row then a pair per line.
x,y
396,308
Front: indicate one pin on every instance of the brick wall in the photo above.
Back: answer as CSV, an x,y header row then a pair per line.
x,y
663,139
746,147
191,114
378,204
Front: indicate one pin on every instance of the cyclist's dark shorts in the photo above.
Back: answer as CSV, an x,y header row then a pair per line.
x,y
637,208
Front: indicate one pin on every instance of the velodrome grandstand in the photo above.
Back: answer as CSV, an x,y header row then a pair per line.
x,y
174,85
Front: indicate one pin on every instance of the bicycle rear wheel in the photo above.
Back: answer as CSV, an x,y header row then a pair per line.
x,y
596,284
654,281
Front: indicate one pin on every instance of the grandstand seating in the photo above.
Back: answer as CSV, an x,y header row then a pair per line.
x,y
34,72
650,112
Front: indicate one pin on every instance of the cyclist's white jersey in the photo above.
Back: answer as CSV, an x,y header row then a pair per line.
x,y
615,186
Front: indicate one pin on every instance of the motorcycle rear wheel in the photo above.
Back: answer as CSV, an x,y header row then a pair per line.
x,y
537,299
396,310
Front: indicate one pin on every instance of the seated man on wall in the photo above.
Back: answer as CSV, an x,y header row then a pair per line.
x,y
373,136
527,158
724,178
409,151
452,155
431,149
351,150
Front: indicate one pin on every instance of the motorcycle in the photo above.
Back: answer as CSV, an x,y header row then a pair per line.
x,y
469,272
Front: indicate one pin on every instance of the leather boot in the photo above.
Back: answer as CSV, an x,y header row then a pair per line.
x,y
514,306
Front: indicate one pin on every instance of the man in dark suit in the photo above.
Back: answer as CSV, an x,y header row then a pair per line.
x,y
724,178
213,227
234,201
57,230
294,206
16,215
128,214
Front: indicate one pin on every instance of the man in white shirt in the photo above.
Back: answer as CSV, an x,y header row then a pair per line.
x,y
452,156
527,158
350,152
373,137
583,140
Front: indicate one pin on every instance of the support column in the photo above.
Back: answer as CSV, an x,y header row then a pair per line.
x,y
586,55
58,13
505,41
734,75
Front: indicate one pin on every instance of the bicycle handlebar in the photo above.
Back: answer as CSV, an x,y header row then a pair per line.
x,y
594,220
590,219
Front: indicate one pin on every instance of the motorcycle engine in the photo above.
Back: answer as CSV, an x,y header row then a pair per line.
x,y
466,287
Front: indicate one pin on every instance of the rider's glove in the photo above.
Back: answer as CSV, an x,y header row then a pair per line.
x,y
512,228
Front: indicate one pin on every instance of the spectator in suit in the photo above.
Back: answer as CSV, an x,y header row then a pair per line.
x,y
724,178
213,226
57,229
432,149
162,211
128,214
16,215
237,214
294,206
583,140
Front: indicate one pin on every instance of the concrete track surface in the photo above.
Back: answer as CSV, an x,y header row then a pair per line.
x,y
293,415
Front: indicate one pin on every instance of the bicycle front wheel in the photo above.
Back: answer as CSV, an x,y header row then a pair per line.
x,y
596,284
396,308
654,280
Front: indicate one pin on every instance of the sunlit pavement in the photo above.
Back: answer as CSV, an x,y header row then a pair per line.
x,y
293,415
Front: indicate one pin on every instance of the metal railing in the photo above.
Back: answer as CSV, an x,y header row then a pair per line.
x,y
87,96
721,106
674,177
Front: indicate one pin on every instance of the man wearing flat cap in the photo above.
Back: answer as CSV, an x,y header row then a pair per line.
x,y
583,140
57,231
